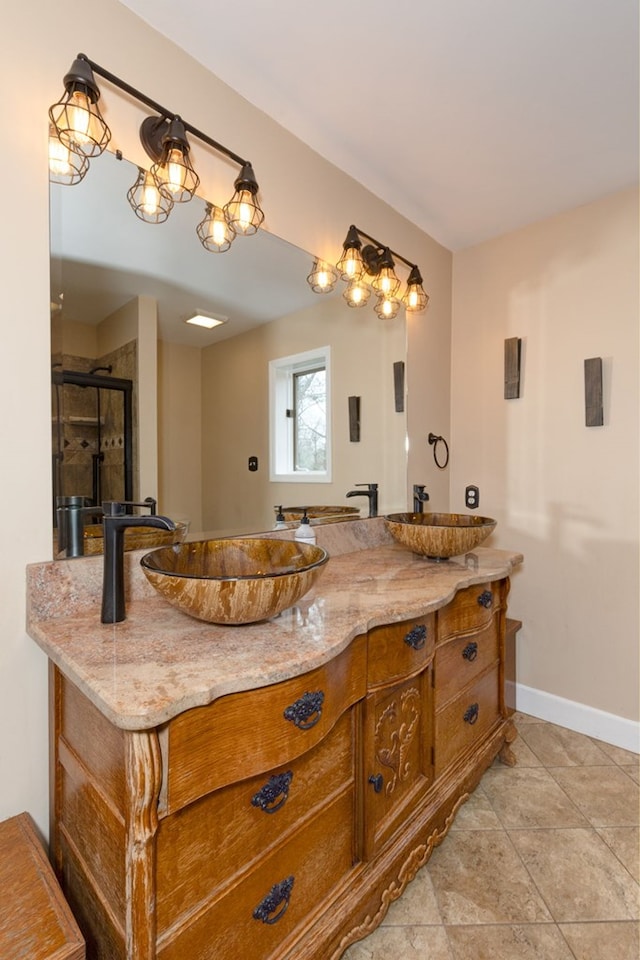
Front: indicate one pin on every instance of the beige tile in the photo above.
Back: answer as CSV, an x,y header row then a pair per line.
x,y
505,942
558,747
529,797
402,943
605,795
620,756
478,878
521,718
417,905
577,874
524,755
603,941
625,843
476,814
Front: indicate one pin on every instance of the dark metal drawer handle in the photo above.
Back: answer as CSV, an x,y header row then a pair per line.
x,y
416,637
485,599
470,652
275,904
471,714
376,780
306,711
274,793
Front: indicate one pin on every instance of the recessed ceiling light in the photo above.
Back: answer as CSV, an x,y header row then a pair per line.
x,y
202,320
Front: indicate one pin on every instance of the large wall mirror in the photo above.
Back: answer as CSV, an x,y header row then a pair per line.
x,y
121,290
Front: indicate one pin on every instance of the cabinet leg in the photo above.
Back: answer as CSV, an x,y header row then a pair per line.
x,y
506,754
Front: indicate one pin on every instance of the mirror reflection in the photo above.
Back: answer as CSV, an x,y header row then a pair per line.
x,y
198,437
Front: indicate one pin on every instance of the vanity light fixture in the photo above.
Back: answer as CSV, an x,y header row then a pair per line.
x,y
202,320
79,128
323,277
373,267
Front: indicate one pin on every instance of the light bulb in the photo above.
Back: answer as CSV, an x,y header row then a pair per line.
x,y
218,232
79,113
412,298
175,170
245,211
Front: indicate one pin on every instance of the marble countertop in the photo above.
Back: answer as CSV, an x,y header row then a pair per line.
x,y
160,662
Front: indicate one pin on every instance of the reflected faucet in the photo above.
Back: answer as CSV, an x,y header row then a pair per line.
x,y
420,497
371,492
116,520
72,512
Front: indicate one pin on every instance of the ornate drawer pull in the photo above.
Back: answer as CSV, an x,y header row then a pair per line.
x,y
276,900
485,599
471,714
274,793
416,637
470,652
306,711
376,780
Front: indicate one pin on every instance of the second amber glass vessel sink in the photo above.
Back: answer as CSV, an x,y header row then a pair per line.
x,y
234,581
439,535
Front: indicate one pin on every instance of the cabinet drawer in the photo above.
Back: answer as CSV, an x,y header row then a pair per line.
x,y
397,650
470,608
462,659
465,720
243,734
258,914
204,845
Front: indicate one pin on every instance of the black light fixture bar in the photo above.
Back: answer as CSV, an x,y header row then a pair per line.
x,y
383,246
163,111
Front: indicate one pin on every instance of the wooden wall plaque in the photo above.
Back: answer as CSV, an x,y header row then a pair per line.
x,y
594,414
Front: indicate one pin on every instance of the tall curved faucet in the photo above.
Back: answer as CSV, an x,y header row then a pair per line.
x,y
371,492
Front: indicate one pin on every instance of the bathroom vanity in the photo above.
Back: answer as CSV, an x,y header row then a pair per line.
x,y
269,790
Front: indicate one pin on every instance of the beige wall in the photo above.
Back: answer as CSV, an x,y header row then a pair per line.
x,y
563,493
36,50
235,421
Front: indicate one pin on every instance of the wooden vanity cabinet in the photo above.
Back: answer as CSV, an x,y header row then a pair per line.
x,y
278,823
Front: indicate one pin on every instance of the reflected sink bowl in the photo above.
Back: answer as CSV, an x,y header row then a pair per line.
x,y
135,538
322,514
439,535
234,581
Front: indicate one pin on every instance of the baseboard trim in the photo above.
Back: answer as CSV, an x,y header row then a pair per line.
x,y
579,717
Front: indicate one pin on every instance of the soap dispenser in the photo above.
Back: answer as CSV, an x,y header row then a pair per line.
x,y
305,531
281,523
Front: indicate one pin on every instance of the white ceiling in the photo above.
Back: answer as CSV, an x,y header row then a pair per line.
x,y
470,117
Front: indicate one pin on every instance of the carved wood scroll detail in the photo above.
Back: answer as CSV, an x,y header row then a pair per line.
x,y
395,730
416,859
144,776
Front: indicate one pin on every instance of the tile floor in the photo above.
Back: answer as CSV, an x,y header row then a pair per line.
x,y
541,863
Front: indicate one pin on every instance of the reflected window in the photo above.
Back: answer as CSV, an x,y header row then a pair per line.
x,y
300,417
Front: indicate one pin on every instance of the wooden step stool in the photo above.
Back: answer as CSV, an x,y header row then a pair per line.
x,y
35,920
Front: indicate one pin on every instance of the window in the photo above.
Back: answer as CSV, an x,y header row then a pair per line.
x,y
300,417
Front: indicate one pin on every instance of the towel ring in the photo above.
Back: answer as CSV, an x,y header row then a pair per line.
x,y
434,441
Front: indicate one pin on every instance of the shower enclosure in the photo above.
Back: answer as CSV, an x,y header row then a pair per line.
x,y
92,436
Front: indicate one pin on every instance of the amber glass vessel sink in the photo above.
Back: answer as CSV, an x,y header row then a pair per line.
x,y
439,535
323,514
234,581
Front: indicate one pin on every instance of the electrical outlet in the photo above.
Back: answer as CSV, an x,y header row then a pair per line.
x,y
253,464
472,497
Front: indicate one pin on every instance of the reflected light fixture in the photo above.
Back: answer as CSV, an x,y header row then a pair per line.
x,y
373,267
387,307
214,230
65,166
80,130
357,293
323,277
205,320
147,200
